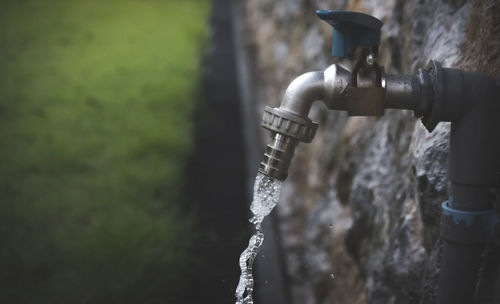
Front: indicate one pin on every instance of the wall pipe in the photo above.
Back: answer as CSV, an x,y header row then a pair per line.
x,y
356,84
470,101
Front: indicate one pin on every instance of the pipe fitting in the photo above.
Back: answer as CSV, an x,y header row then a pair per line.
x,y
277,156
447,94
400,91
279,120
467,227
287,129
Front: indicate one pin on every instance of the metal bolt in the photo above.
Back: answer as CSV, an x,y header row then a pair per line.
x,y
370,59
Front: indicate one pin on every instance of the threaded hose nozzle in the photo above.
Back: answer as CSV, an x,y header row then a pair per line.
x,y
277,156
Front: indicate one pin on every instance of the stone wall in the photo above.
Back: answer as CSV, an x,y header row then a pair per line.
x,y
359,214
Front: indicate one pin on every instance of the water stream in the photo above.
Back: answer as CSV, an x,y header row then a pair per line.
x,y
265,196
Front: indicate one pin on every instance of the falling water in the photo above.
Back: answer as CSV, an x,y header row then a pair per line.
x,y
265,196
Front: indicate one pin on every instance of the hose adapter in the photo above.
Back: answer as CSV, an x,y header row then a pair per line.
x,y
287,129
289,124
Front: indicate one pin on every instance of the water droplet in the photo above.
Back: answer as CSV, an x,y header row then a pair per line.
x,y
332,276
331,226
263,256
267,282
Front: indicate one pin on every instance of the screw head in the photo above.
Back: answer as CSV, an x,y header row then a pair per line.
x,y
370,59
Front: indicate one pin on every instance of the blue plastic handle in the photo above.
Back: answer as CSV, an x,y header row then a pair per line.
x,y
351,29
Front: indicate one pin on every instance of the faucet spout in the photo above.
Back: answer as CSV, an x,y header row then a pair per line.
x,y
289,123
302,92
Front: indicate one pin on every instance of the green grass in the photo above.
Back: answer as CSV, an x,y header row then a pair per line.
x,y
96,100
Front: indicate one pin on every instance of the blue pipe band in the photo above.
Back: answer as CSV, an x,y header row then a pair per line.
x,y
487,218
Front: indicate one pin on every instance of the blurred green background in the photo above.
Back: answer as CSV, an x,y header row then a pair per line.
x,y
96,99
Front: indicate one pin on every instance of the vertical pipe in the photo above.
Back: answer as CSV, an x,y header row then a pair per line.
x,y
469,100
460,259
458,273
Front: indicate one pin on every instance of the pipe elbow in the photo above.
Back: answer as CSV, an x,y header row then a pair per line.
x,y
302,92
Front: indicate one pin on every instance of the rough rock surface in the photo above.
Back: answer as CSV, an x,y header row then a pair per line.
x,y
359,214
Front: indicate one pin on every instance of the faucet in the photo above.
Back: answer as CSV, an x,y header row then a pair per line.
x,y
357,84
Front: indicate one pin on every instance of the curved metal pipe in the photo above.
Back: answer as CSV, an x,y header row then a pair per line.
x,y
329,86
289,123
302,92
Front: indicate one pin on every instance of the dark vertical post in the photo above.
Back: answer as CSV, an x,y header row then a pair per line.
x,y
217,170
